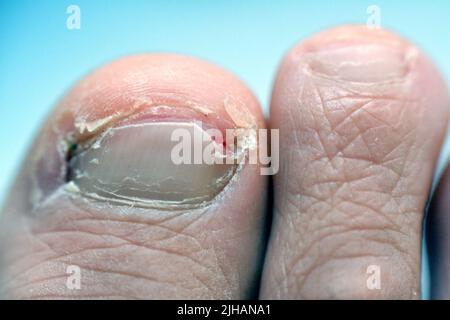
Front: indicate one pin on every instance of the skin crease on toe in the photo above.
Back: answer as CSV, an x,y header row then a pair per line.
x,y
209,249
362,114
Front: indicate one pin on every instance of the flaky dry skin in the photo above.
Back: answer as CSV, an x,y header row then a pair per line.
x,y
361,113
211,251
359,145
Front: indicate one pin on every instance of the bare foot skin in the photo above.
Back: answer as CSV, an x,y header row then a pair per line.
x,y
361,114
136,225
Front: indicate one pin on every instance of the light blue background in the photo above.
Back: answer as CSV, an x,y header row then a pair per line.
x,y
40,58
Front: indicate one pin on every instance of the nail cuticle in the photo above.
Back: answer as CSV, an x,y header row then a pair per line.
x,y
82,130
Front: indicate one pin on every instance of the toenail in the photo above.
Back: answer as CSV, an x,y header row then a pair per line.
x,y
133,163
365,63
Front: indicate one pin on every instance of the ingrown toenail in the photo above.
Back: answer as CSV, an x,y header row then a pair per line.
x,y
133,164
